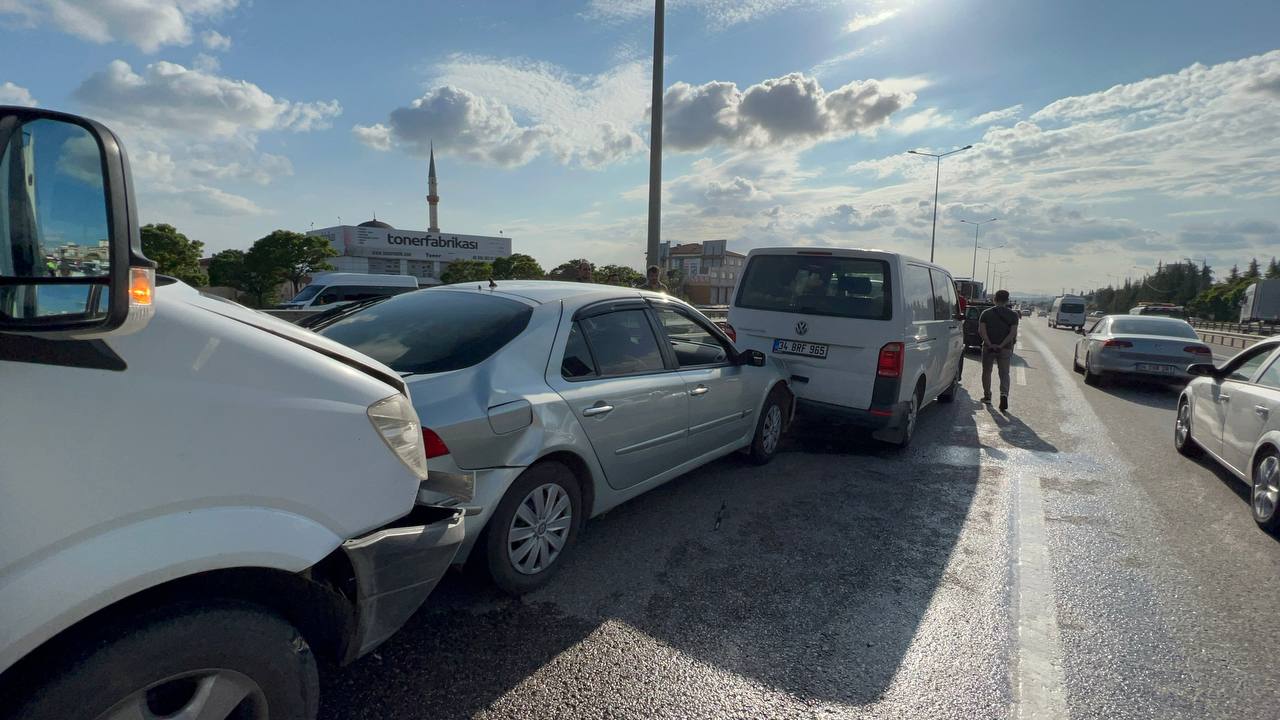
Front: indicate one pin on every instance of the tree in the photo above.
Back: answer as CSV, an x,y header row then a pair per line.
x,y
1273,270
293,256
261,274
627,276
1234,275
460,271
517,267
174,253
1253,273
576,270
226,268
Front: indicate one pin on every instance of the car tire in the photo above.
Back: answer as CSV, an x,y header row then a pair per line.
x,y
907,430
769,428
1091,378
1183,441
178,662
1264,496
502,531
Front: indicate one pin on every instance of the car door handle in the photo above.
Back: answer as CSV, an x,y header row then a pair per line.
x,y
1261,410
599,408
700,390
1223,398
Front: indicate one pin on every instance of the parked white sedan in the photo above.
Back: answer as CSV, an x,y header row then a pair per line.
x,y
1233,414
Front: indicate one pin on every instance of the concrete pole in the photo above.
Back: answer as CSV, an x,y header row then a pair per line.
x,y
655,141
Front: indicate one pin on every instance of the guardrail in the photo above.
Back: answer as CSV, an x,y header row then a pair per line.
x,y
1260,329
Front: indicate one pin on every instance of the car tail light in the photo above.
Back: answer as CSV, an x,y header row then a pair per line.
x,y
890,362
1117,343
1197,350
434,445
728,329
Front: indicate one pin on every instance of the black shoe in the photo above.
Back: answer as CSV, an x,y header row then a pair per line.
x,y
1004,402
986,399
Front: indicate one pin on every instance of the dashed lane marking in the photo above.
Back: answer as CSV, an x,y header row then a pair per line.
x,y
1020,374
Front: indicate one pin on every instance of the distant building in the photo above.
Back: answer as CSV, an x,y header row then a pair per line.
x,y
708,270
377,248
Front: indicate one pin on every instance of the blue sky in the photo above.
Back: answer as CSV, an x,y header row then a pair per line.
x,y
1107,135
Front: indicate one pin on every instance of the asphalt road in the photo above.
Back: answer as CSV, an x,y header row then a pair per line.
x,y
1060,560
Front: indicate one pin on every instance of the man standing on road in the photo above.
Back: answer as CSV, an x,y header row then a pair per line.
x,y
998,327
653,280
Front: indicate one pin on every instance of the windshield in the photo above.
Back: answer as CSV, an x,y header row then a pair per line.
x,y
307,293
431,331
1153,326
839,286
1072,308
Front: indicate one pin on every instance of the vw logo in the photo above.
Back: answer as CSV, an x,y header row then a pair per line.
x,y
802,327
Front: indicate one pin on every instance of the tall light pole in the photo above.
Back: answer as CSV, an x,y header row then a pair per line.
x,y
986,277
977,224
655,140
937,175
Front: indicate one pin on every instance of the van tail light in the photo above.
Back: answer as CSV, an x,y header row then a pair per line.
x,y
1197,350
1117,343
890,363
434,445
728,329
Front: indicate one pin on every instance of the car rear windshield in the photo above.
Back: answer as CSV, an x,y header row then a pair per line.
x,y
1152,326
1071,308
817,285
432,331
307,293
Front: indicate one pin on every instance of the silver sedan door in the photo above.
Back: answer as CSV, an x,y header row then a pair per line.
x,y
632,406
721,408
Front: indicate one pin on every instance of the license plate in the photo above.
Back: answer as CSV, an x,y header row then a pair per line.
x,y
795,347
1159,369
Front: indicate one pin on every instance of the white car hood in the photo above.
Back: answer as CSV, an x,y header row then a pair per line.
x,y
181,292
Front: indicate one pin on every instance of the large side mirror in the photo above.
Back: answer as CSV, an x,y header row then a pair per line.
x,y
71,263
1080,331
1202,370
754,358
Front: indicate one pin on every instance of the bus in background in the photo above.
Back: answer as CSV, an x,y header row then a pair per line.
x,y
969,289
1067,311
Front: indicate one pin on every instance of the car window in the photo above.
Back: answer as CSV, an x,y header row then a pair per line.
x,y
817,285
433,330
1071,308
622,343
1246,369
307,293
944,296
1271,376
918,291
1138,325
577,362
693,344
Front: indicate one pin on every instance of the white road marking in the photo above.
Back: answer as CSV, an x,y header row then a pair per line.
x,y
1020,374
1040,689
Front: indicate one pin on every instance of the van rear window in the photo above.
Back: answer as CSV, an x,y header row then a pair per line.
x,y
817,285
1071,308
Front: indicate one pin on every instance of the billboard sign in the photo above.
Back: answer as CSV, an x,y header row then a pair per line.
x,y
414,245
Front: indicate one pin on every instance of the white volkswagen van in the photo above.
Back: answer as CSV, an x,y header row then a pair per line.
x,y
1067,311
327,289
868,336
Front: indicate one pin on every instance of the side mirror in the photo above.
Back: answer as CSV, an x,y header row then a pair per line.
x,y
1202,370
1080,331
754,358
71,263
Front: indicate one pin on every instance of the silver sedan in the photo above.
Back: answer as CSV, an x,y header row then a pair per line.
x,y
559,401
1139,346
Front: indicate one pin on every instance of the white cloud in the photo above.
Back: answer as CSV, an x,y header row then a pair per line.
x,y
793,108
832,63
147,24
867,20
11,94
927,119
216,41
465,124
206,63
169,96
376,136
995,116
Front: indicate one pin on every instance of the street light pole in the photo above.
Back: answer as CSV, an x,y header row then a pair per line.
x,y
655,140
933,238
986,277
973,273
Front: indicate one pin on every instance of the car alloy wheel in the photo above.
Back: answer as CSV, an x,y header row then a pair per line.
x,y
208,694
1266,491
771,431
539,529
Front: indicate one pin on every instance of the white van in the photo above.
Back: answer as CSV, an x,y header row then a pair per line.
x,y
326,289
1067,311
196,499
867,336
